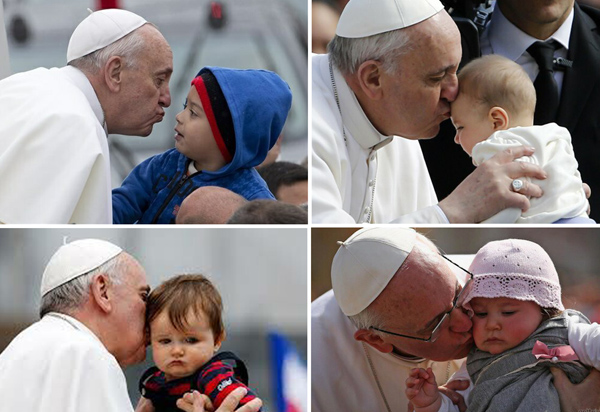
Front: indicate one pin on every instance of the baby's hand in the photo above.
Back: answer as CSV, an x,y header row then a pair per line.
x,y
422,390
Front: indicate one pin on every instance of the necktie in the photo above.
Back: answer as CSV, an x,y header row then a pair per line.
x,y
545,85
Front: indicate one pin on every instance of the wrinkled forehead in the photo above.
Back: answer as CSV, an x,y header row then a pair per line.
x,y
424,282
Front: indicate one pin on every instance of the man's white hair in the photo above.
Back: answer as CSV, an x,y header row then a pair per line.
x,y
347,54
73,294
128,47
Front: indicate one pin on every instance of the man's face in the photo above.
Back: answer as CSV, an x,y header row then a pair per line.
x,y
500,324
129,313
471,122
417,299
181,353
417,96
145,87
525,14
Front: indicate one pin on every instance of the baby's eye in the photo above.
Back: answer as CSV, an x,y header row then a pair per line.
x,y
191,340
481,314
164,341
508,313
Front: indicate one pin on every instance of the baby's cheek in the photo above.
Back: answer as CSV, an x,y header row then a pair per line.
x,y
477,330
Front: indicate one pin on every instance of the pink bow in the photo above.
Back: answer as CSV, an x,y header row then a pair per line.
x,y
562,353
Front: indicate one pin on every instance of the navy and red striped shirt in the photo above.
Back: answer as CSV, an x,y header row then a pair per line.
x,y
222,374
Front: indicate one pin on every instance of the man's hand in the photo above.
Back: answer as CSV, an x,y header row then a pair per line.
x,y
450,390
195,402
582,397
487,190
144,405
588,193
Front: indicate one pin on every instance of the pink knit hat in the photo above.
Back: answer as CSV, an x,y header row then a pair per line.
x,y
517,269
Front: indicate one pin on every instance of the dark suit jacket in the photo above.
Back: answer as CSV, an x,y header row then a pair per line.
x,y
579,111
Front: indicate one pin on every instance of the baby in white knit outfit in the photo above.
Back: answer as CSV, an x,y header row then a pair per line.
x,y
493,112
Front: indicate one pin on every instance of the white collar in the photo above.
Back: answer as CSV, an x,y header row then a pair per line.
x,y
73,322
82,83
500,29
354,118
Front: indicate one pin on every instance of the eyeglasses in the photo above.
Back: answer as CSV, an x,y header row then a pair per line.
x,y
438,328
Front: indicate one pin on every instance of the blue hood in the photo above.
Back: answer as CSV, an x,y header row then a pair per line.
x,y
259,102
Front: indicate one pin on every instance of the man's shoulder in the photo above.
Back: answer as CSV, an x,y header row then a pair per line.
x,y
592,12
55,338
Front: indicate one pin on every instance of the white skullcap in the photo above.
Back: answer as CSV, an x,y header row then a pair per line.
x,y
100,29
366,262
363,18
75,259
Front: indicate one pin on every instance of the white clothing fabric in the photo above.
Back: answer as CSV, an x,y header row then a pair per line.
x,y
369,178
583,338
58,365
341,377
563,191
54,163
504,38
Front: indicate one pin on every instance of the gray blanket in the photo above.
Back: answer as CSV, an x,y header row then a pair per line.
x,y
515,381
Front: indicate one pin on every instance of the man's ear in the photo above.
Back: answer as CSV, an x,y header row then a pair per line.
x,y
113,72
101,292
373,339
499,118
369,79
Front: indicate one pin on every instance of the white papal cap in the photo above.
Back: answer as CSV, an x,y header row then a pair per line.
x,y
366,262
100,29
363,18
75,259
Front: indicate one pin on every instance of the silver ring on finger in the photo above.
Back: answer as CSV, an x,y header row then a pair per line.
x,y
517,185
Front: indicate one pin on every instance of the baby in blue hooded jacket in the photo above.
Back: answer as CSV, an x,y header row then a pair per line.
x,y
231,119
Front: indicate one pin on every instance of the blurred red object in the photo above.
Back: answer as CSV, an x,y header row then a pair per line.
x,y
108,4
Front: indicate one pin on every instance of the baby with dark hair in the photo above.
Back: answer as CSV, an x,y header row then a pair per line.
x,y
184,315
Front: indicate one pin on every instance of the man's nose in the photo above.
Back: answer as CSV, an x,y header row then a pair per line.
x,y
165,98
450,88
460,321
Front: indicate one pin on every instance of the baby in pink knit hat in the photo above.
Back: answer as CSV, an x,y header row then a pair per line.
x,y
520,330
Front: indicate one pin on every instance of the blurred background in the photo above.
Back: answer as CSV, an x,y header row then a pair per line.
x,y
263,34
261,274
574,252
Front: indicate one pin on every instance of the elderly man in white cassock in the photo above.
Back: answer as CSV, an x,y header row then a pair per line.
x,y
92,325
54,161
387,81
396,305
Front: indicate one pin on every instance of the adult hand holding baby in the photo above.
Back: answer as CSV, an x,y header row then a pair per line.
x,y
489,188
581,397
196,402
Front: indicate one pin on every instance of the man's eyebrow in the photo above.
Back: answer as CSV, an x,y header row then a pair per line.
x,y
442,70
167,71
436,319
